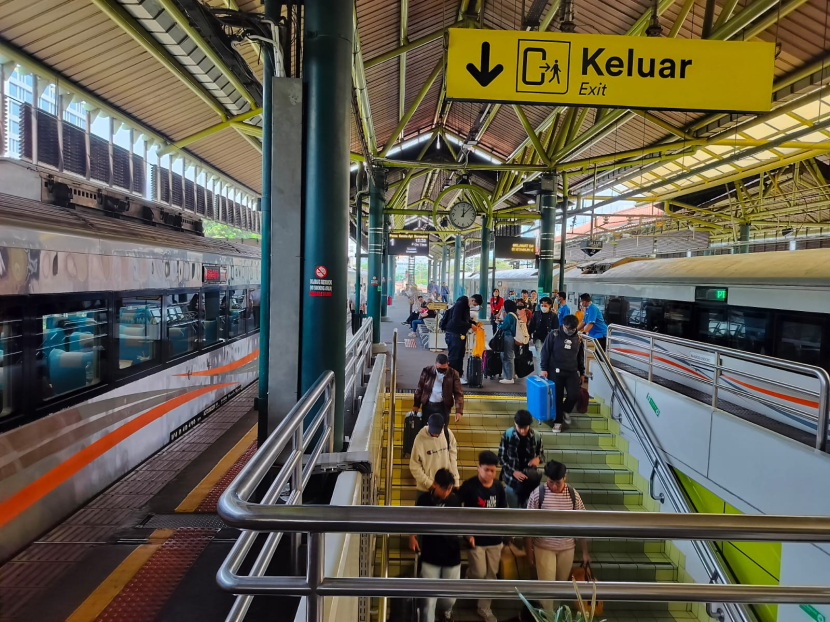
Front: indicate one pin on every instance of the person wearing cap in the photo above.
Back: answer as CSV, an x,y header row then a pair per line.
x,y
438,388
434,448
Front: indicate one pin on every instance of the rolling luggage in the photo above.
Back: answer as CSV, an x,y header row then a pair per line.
x,y
540,396
524,361
406,609
475,372
412,424
492,364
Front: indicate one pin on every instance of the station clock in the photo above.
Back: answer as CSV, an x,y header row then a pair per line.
x,y
463,215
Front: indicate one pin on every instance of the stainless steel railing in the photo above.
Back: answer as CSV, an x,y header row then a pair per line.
x,y
390,461
720,363
706,552
294,475
237,510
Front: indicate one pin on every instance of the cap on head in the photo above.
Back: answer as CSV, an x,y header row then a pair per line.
x,y
435,424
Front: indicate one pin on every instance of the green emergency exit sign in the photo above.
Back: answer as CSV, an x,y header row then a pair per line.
x,y
814,613
652,404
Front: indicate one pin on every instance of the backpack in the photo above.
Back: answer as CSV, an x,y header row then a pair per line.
x,y
571,494
522,336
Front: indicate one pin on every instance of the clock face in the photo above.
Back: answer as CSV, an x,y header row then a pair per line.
x,y
463,215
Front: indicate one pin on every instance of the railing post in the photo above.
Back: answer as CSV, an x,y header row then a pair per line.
x,y
390,453
650,358
716,381
296,484
314,575
821,424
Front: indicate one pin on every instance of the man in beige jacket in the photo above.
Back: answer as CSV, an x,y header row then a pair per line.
x,y
434,448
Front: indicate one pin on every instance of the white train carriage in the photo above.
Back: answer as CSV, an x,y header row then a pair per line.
x,y
115,338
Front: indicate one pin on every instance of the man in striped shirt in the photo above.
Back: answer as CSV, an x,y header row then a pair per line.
x,y
554,557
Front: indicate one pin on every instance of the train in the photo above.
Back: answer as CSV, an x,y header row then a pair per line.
x,y
774,304
115,338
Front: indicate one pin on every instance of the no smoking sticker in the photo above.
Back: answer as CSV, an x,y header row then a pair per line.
x,y
321,272
321,286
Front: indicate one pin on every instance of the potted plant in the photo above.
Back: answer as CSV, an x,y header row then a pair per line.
x,y
585,611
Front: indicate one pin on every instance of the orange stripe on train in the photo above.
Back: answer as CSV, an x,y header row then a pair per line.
x,y
34,492
225,368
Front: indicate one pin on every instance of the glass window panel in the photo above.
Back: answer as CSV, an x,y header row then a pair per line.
x,y
800,340
254,299
677,317
139,330
182,323
748,330
122,136
239,313
215,312
72,350
11,359
713,326
101,127
617,310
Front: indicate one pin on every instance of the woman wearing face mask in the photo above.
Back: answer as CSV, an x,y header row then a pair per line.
x,y
534,301
544,321
563,361
509,326
496,305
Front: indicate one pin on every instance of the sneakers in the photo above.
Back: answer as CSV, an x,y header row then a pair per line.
x,y
448,616
506,381
568,418
557,428
487,615
463,381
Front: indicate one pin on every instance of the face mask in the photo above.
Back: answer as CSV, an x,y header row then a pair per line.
x,y
569,331
545,309
474,308
441,370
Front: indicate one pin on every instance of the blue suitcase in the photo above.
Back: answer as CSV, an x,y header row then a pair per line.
x,y
540,396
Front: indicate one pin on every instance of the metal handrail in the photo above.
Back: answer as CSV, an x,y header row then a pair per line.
x,y
704,549
822,416
390,455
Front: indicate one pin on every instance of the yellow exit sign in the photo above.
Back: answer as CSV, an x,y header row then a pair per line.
x,y
609,70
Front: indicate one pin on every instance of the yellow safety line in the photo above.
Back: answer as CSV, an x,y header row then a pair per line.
x,y
95,603
198,494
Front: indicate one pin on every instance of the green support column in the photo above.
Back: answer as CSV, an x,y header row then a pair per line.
x,y
272,10
547,234
390,278
457,268
384,289
327,80
744,239
463,267
443,264
377,194
563,235
484,268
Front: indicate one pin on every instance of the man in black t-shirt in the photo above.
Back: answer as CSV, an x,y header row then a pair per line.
x,y
484,491
440,555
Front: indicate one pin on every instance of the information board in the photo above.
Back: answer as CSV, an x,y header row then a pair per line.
x,y
515,248
401,243
609,70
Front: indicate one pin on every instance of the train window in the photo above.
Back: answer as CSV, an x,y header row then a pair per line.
x,y
253,297
214,310
748,330
72,351
712,326
678,318
636,316
11,359
139,331
800,340
238,312
182,313
617,310
653,315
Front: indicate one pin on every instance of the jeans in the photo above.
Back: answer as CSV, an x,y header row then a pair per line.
x,y
507,357
537,359
416,323
566,383
430,571
553,566
512,495
455,351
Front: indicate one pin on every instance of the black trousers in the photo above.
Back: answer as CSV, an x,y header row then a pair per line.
x,y
568,388
602,343
456,348
431,408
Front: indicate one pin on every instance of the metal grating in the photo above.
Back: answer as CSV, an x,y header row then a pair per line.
x,y
99,159
121,167
74,149
183,521
178,198
210,205
200,200
189,195
164,185
138,173
48,148
26,147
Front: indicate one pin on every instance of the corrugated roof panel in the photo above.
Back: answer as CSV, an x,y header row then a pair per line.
x,y
243,161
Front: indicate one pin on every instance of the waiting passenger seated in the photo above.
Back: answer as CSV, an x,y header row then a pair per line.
x,y
69,371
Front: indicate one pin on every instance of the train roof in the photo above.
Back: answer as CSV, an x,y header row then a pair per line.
x,y
804,267
26,213
512,273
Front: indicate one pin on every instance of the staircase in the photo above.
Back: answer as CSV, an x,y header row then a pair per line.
x,y
599,468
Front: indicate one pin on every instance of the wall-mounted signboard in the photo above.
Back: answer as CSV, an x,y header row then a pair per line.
x,y
402,243
515,248
609,70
